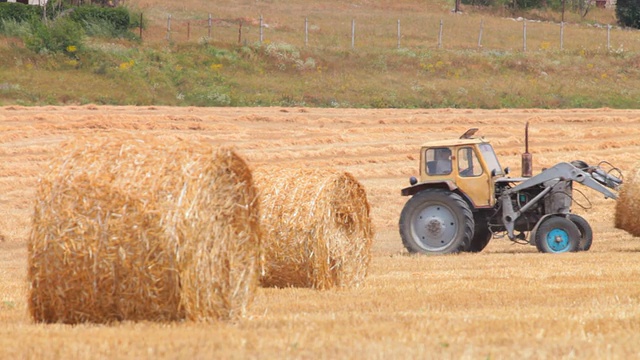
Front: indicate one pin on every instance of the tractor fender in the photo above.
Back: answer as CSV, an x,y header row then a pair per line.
x,y
414,189
445,185
532,233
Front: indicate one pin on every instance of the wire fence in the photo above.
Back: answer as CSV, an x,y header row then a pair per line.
x,y
445,33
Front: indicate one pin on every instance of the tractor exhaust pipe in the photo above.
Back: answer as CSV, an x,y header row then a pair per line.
x,y
527,159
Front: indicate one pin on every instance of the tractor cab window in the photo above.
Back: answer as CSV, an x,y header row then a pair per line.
x,y
468,163
438,161
491,159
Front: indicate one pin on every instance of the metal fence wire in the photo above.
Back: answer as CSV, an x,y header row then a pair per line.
x,y
453,33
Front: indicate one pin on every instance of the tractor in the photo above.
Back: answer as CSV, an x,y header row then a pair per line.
x,y
464,198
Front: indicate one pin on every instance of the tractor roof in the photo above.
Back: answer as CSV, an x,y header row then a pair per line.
x,y
454,142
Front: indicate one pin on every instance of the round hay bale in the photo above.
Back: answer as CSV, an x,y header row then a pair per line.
x,y
628,204
136,229
316,228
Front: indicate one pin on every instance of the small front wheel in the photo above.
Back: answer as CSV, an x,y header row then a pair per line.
x,y
586,234
557,235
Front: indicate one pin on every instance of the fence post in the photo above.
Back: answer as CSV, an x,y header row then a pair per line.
x,y
306,32
398,33
188,30
561,35
524,35
353,33
140,26
210,23
240,32
169,28
608,37
480,35
261,33
440,36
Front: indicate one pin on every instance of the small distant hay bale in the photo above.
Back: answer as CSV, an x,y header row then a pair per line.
x,y
316,228
628,204
139,228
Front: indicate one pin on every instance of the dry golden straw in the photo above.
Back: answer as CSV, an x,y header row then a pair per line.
x,y
143,229
317,229
628,204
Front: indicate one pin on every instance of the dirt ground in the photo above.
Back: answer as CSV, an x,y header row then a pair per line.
x,y
508,301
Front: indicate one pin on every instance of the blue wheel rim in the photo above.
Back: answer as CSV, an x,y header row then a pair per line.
x,y
558,240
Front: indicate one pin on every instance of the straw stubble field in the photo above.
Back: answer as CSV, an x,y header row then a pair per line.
x,y
507,302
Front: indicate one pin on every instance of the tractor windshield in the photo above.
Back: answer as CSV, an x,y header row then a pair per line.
x,y
490,158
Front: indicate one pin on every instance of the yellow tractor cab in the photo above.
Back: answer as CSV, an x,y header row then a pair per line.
x,y
467,166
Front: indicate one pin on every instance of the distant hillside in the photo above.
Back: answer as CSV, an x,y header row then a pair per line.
x,y
409,54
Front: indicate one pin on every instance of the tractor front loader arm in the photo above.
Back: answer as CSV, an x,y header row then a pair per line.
x,y
560,172
564,171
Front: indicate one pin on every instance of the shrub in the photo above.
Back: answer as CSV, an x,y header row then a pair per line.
x,y
517,4
119,17
105,29
61,35
19,12
10,27
479,2
212,96
628,13
288,56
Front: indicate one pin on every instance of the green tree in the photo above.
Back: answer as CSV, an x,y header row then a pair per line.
x,y
628,13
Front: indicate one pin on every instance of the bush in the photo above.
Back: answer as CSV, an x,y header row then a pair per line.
x,y
14,28
119,17
105,29
479,2
19,12
61,35
628,13
517,4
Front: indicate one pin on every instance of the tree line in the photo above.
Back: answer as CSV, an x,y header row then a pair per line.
x,y
627,11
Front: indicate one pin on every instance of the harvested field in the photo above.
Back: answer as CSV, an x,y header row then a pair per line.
x,y
508,301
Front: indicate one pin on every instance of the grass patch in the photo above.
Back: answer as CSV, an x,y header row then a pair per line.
x,y
194,69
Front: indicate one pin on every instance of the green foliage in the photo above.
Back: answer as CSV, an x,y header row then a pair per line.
x,y
628,13
117,21
286,56
100,28
14,28
19,12
280,74
479,2
95,20
517,4
529,4
212,96
105,29
61,35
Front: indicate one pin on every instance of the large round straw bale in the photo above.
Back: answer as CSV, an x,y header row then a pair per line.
x,y
316,228
131,228
628,204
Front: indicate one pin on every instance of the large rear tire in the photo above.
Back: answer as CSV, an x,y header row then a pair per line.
x,y
436,221
586,233
481,238
557,234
